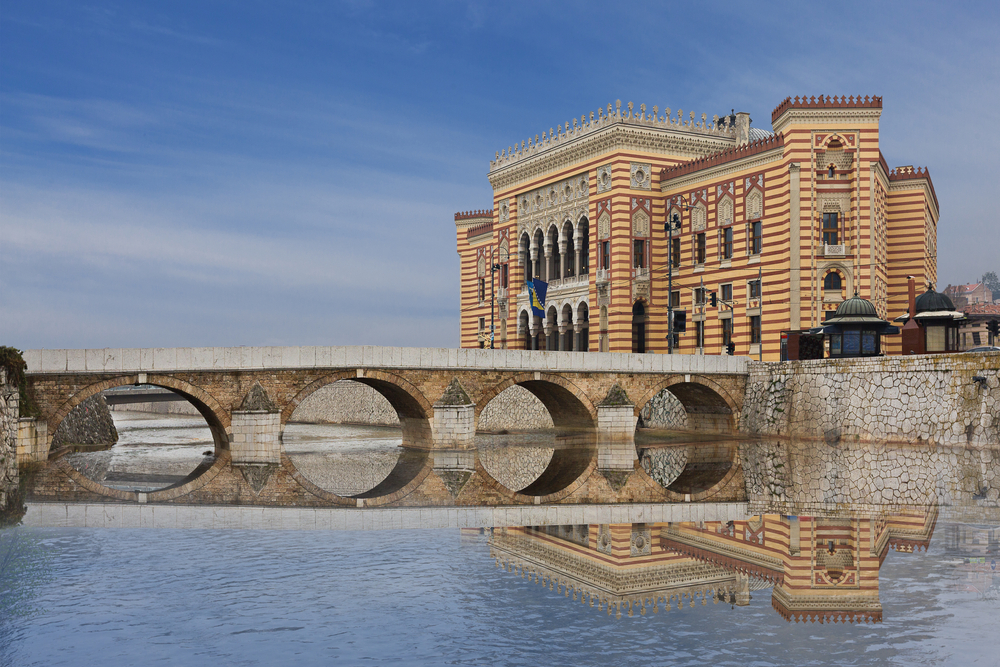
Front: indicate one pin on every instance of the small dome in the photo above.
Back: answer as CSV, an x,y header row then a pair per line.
x,y
931,301
757,133
856,307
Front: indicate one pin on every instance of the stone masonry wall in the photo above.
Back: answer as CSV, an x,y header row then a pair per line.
x,y
346,402
89,423
931,399
514,409
8,440
798,477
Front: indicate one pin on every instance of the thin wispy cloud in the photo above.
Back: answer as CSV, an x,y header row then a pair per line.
x,y
244,174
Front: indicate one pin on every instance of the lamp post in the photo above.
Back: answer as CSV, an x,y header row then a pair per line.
x,y
493,280
671,223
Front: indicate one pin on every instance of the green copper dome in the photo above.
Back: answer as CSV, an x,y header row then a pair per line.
x,y
856,307
931,301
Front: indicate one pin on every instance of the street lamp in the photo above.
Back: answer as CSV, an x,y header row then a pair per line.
x,y
493,272
674,222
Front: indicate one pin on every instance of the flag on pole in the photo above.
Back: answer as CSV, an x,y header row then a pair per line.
x,y
536,291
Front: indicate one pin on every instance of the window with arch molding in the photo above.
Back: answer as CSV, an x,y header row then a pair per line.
x,y
832,282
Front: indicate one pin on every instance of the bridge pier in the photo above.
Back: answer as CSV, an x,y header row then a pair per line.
x,y
256,430
616,423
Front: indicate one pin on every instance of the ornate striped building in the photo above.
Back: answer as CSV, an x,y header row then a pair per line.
x,y
781,225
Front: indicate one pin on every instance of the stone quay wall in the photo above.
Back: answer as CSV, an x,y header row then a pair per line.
x,y
9,413
799,477
931,399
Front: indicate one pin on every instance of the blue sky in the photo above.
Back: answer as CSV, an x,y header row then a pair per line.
x,y
250,173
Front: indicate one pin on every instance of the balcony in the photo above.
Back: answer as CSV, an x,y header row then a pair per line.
x,y
603,276
640,273
501,293
834,250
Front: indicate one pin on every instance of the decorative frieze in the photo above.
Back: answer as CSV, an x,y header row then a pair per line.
x,y
553,204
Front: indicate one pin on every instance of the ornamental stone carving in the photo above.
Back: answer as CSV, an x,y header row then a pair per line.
x,y
641,542
604,539
504,206
604,225
640,224
754,205
603,299
724,212
568,199
504,252
835,203
481,267
604,178
698,217
641,176
640,289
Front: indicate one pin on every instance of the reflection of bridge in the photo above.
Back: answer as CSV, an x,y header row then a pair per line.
x,y
247,395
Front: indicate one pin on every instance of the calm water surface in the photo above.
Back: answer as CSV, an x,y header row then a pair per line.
x,y
192,597
71,596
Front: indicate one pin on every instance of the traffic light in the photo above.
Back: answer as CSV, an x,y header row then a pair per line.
x,y
680,321
993,326
731,349
713,299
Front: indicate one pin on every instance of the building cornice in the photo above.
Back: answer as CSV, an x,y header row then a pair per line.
x,y
723,170
684,141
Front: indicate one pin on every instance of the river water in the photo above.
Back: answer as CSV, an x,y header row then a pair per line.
x,y
77,596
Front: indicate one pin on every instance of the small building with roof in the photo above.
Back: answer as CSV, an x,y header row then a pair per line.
x,y
932,325
855,329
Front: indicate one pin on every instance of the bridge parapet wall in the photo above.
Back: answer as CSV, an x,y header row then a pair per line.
x,y
933,398
166,360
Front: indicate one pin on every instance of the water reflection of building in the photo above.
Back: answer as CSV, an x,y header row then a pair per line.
x,y
821,569
977,548
618,567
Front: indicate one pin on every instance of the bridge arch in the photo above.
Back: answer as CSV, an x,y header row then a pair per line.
x,y
414,412
709,406
406,399
217,417
568,405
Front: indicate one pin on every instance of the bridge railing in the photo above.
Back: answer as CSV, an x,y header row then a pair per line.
x,y
137,360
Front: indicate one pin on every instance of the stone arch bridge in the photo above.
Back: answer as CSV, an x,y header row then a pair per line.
x,y
247,395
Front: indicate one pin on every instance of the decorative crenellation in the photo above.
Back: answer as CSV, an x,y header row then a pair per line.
x,y
469,215
827,102
672,585
909,173
479,230
616,116
728,155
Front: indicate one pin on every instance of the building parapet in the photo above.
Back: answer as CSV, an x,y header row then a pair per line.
x,y
718,127
826,102
728,155
909,173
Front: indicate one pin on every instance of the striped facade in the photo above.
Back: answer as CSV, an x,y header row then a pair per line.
x,y
811,210
822,569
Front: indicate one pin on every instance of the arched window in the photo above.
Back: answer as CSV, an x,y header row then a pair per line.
x,y
832,282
